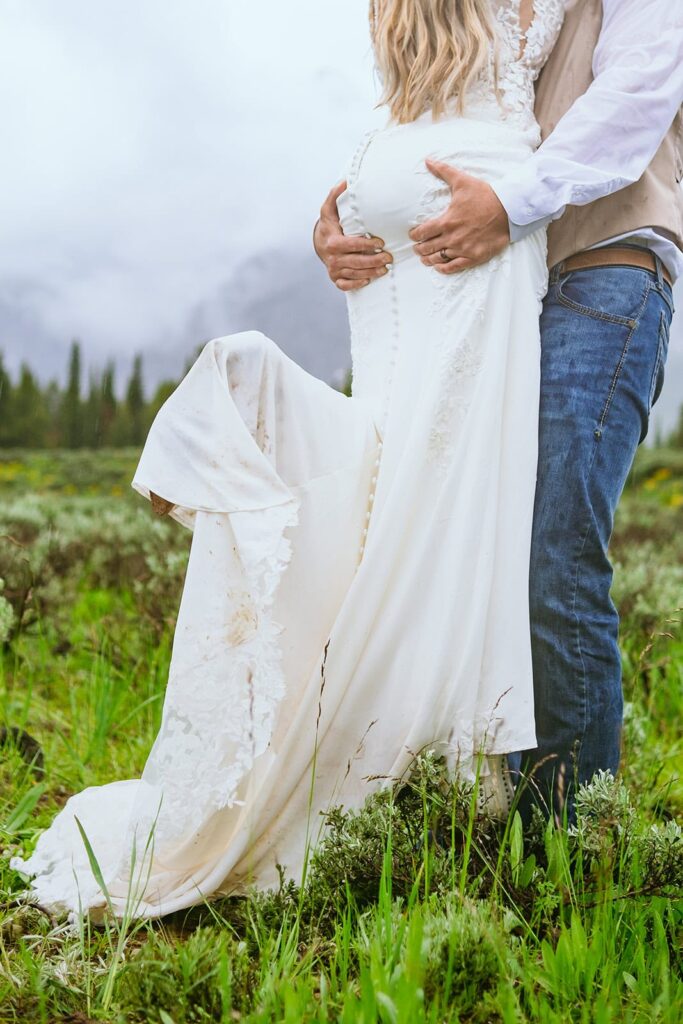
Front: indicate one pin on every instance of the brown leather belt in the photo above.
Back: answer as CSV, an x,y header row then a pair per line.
x,y
614,256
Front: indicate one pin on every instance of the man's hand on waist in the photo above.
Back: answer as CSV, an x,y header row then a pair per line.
x,y
473,229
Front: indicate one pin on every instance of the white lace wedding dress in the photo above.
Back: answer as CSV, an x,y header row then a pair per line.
x,y
357,584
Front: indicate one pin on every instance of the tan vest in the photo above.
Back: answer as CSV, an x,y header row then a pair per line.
x,y
656,200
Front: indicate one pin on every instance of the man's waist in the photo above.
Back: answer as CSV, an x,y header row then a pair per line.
x,y
615,255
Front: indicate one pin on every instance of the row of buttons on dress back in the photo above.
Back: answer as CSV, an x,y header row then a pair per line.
x,y
353,206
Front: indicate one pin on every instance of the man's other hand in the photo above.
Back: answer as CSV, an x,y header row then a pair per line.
x,y
352,261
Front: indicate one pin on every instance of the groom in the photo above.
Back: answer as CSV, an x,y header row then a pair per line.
x,y
607,181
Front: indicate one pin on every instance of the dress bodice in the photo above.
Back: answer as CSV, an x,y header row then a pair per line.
x,y
517,59
504,90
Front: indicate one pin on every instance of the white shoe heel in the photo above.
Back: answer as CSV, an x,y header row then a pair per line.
x,y
496,791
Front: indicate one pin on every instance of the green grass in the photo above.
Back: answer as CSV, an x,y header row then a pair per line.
x,y
412,910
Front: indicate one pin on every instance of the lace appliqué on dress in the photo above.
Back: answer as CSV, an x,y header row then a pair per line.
x,y
457,369
202,754
462,297
521,56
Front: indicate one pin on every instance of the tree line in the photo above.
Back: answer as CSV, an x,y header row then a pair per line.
x,y
73,416
50,416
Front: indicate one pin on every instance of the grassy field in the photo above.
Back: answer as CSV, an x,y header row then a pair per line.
x,y
412,911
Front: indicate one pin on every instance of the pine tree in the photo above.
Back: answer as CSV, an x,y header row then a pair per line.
x,y
72,406
135,403
52,402
29,415
92,414
5,404
676,439
163,391
108,404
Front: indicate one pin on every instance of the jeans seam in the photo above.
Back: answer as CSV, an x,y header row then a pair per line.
x,y
577,621
622,358
658,362
667,294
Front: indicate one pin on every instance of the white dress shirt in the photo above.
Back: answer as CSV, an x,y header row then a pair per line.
x,y
609,136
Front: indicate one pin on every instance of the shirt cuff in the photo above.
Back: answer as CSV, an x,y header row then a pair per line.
x,y
519,231
523,217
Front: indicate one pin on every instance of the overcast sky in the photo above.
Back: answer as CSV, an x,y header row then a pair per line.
x,y
151,147
148,146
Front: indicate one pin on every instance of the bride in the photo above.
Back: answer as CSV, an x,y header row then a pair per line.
x,y
357,585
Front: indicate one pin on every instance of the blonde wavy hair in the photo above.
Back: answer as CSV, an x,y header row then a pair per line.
x,y
429,52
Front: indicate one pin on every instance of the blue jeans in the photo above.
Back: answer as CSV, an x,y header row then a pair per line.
x,y
604,342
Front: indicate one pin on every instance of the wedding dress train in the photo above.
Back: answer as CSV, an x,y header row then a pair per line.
x,y
357,584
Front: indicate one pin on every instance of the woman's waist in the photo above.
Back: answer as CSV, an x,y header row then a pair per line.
x,y
391,189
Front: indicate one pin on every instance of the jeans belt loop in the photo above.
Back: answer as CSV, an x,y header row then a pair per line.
x,y
556,272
